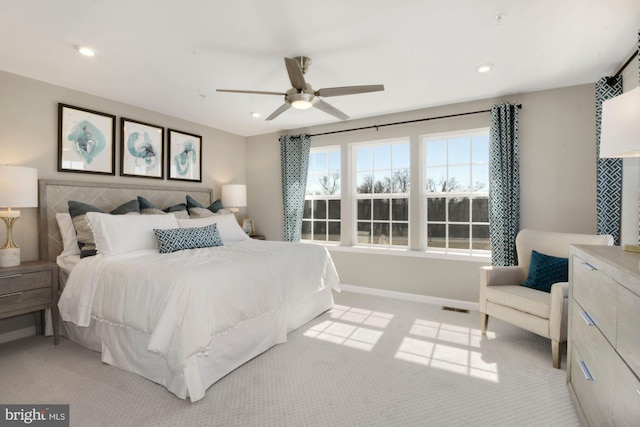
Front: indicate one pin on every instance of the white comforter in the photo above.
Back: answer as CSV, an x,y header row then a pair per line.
x,y
186,298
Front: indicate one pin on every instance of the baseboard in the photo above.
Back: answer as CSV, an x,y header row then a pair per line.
x,y
17,334
425,299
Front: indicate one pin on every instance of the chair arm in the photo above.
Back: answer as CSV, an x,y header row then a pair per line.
x,y
559,311
496,276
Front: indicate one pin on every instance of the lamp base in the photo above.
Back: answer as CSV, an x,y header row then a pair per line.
x,y
10,257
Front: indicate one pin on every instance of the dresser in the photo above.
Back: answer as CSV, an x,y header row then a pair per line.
x,y
28,288
603,347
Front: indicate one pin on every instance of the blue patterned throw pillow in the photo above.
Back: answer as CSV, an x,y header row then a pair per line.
x,y
545,270
177,239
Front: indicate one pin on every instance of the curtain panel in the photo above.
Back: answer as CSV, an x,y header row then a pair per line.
x,y
504,184
294,161
609,171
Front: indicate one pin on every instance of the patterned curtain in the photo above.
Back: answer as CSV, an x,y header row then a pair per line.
x,y
504,184
294,159
609,190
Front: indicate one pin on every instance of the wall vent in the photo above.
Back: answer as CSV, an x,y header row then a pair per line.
x,y
457,310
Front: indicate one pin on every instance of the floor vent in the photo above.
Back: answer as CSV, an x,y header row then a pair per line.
x,y
457,310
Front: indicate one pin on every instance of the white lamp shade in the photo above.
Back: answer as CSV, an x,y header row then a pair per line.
x,y
234,195
18,187
620,128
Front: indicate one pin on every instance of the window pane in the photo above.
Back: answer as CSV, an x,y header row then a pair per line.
x,y
306,230
480,178
400,234
382,182
459,151
334,161
459,209
459,178
364,232
321,164
319,230
334,209
334,231
364,183
381,233
309,189
364,209
401,181
401,157
381,209
306,213
329,184
436,178
320,209
364,159
436,237
480,148
436,209
459,236
480,211
382,157
400,210
436,153
480,237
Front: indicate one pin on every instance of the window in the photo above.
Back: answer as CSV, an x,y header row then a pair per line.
x,y
381,193
321,217
456,192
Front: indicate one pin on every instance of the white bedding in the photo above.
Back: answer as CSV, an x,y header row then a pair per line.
x,y
184,301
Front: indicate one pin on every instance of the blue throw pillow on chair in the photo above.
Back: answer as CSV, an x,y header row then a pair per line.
x,y
545,270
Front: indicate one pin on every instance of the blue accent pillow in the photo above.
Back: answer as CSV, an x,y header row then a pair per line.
x,y
213,207
545,270
177,239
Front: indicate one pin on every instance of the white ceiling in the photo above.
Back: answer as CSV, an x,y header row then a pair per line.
x,y
171,56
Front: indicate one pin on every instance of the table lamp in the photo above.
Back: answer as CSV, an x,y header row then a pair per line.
x,y
18,189
234,196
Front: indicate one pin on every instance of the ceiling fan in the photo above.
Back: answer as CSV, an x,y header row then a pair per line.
x,y
303,96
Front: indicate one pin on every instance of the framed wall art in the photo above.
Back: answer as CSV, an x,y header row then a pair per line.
x,y
185,156
141,149
86,140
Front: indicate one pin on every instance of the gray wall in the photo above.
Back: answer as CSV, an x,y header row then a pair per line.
x,y
558,184
29,137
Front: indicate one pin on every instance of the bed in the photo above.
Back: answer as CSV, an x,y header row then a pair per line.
x,y
183,319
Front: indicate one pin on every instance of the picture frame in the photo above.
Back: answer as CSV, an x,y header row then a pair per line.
x,y
86,140
248,226
141,149
184,162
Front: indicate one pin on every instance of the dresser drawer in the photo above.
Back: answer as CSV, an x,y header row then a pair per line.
x,y
626,396
24,300
597,295
11,283
591,391
628,342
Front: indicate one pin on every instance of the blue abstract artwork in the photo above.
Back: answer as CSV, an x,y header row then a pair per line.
x,y
87,140
141,149
185,156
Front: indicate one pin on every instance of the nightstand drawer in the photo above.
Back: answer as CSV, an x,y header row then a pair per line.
x,y
24,282
23,300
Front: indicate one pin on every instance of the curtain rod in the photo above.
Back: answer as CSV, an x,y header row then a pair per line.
x,y
519,106
611,80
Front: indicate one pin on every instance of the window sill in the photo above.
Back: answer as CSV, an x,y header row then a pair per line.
x,y
484,259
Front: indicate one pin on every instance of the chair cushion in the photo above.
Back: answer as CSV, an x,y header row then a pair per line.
x,y
521,298
545,270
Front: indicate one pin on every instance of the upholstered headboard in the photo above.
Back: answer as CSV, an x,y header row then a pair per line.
x,y
54,195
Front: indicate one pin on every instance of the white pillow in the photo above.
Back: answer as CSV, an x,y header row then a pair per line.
x,y
68,233
228,226
121,234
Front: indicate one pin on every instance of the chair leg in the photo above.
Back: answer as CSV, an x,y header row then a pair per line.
x,y
555,353
484,321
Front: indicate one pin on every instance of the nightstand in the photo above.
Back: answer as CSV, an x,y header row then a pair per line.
x,y
257,237
30,287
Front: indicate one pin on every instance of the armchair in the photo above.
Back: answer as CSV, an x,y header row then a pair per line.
x,y
545,314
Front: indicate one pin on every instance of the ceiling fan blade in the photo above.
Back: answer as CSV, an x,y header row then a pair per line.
x,y
295,74
284,107
321,105
348,90
259,92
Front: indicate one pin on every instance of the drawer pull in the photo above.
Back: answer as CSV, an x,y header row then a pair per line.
x,y
589,266
585,370
587,319
10,295
11,276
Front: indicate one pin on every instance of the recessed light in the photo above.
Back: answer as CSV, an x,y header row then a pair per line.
x,y
256,115
485,68
86,51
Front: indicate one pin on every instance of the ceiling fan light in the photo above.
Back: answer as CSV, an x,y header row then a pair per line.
x,y
301,104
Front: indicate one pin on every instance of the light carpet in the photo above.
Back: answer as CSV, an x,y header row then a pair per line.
x,y
371,361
